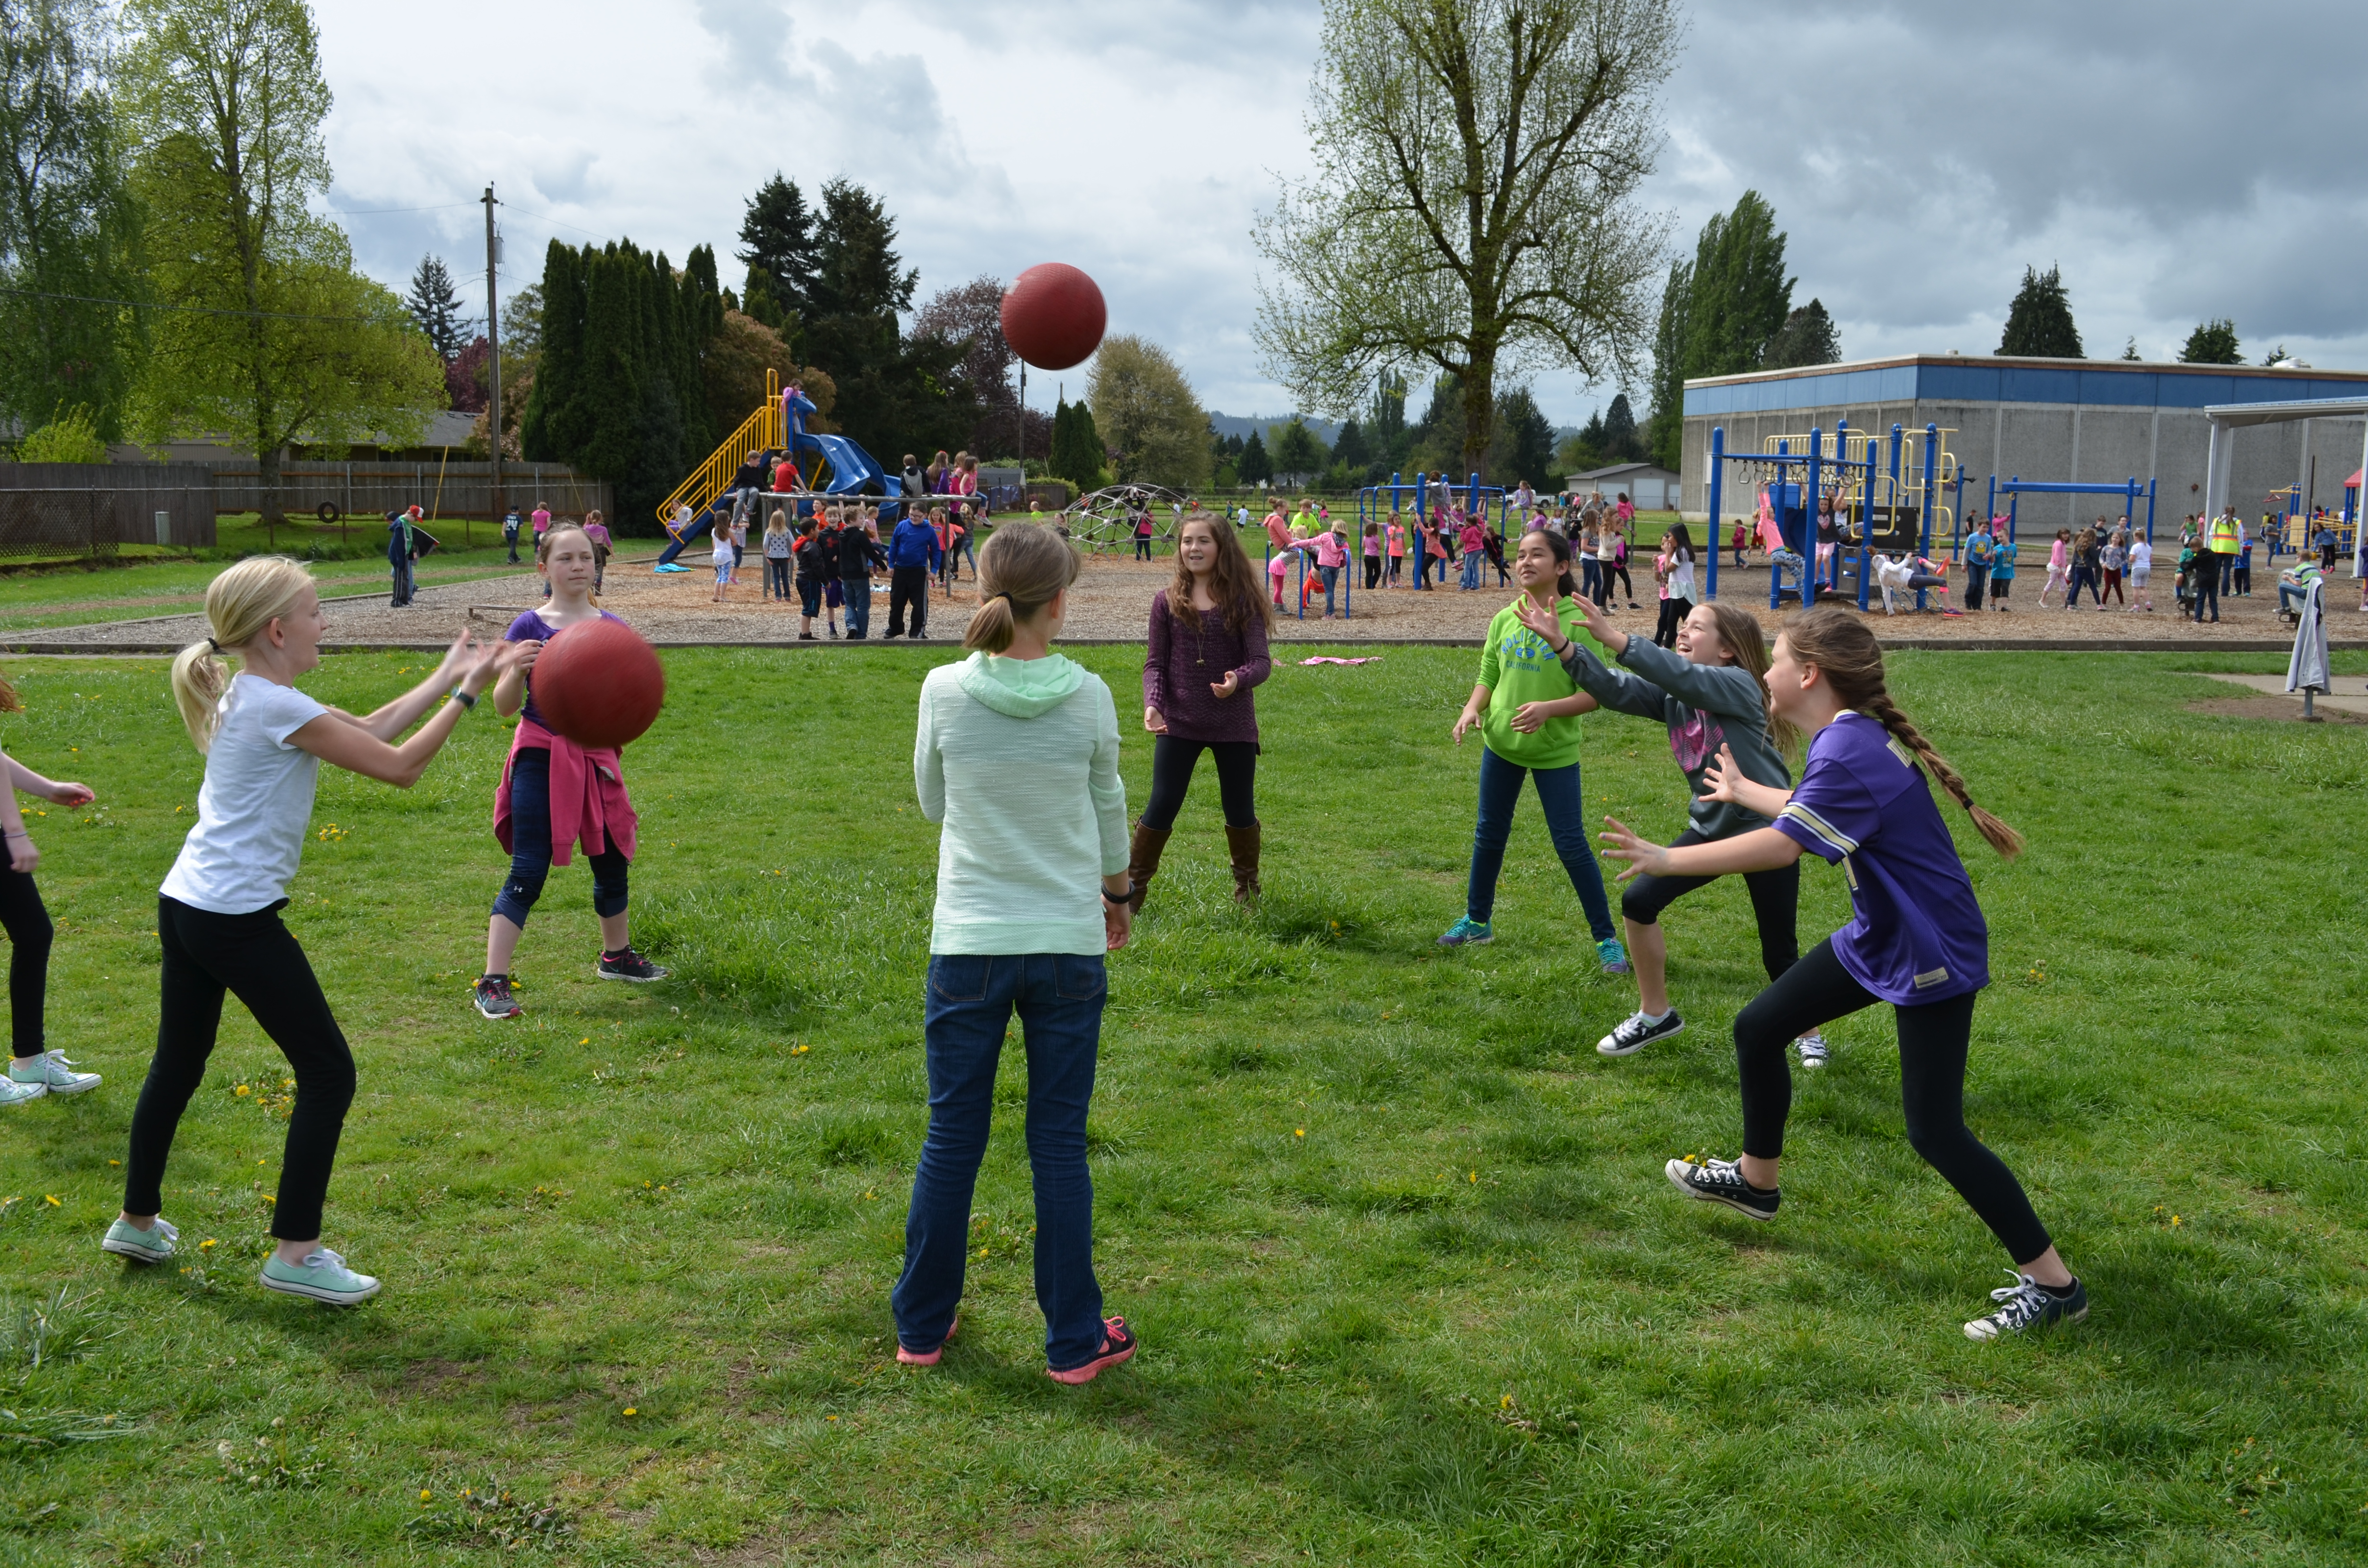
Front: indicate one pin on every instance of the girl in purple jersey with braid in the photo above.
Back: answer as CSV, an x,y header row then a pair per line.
x,y
1917,941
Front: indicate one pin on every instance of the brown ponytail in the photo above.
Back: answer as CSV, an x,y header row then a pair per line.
x,y
1839,645
1022,567
1738,631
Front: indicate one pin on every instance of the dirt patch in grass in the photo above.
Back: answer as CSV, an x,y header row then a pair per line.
x,y
2286,709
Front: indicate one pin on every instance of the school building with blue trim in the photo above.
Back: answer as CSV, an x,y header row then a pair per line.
x,y
2091,421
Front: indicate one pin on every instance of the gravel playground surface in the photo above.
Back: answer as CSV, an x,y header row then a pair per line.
x,y
1113,597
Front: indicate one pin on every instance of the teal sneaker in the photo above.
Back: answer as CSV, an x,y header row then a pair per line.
x,y
1614,956
54,1072
322,1276
1467,931
154,1244
13,1092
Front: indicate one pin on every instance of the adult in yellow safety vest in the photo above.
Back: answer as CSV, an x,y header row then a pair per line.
x,y
2218,544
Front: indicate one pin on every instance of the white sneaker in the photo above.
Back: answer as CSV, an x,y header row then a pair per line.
x,y
13,1092
54,1072
1813,1050
323,1276
1636,1031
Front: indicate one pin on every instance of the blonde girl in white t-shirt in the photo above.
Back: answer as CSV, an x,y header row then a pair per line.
x,y
218,917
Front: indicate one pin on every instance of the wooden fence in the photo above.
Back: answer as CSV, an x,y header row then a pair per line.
x,y
331,490
59,511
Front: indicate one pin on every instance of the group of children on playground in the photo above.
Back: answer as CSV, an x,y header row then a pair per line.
x,y
1040,877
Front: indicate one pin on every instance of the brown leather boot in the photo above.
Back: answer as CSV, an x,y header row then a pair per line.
x,y
1244,844
1143,861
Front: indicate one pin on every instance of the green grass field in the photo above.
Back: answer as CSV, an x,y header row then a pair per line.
x,y
1410,1285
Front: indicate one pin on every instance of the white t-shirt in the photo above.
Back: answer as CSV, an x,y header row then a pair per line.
x,y
255,804
2141,557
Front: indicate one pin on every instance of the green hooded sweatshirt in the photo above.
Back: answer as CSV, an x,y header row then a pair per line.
x,y
1017,759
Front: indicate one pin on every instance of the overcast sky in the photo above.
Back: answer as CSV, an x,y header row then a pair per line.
x,y
2179,160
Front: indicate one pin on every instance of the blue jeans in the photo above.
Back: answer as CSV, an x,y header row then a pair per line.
x,y
1059,997
1470,569
1330,575
859,605
1562,799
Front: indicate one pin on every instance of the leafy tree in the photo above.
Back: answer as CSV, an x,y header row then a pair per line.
x,y
2212,343
1664,428
970,317
1146,409
779,247
1296,451
2039,321
1386,429
436,305
465,378
1252,464
1807,337
895,394
1739,296
1528,440
69,438
68,224
1437,437
1472,205
275,336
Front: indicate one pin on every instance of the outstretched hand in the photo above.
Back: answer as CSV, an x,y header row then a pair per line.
x,y
458,657
1227,687
1720,777
1599,627
1543,620
1644,857
66,793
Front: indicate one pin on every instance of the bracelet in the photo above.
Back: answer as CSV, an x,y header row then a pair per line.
x,y
462,698
19,834
1126,897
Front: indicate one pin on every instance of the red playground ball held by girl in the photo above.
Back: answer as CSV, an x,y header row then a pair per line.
x,y
599,684
1053,316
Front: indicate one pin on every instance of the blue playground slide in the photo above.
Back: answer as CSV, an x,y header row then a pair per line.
x,y
851,470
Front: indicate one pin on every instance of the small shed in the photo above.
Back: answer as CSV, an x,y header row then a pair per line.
x,y
1648,486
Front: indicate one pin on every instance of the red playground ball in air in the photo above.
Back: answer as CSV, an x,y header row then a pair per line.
x,y
1053,316
599,684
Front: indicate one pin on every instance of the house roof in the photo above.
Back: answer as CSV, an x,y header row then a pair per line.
x,y
1617,469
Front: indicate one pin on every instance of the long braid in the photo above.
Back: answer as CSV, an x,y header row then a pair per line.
x,y
2003,839
1839,645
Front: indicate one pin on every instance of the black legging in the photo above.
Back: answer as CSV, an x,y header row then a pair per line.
x,y
1932,1044
257,958
28,928
2207,583
1619,569
530,849
1775,905
1172,761
1674,611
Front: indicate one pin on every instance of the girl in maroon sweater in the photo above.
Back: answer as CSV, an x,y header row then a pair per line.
x,y
1208,649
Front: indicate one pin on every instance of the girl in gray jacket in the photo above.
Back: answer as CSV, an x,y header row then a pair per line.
x,y
1710,694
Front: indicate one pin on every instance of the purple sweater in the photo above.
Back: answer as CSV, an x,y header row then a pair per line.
x,y
1182,664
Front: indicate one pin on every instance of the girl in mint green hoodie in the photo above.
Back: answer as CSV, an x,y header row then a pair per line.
x,y
1526,706
1016,757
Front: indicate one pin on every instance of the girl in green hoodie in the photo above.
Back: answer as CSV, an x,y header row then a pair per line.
x,y
1016,756
1526,706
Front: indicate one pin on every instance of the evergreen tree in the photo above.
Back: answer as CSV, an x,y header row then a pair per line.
x,y
1527,439
1807,337
436,305
2039,321
2212,343
1438,444
1623,443
1252,465
2130,350
1296,449
777,244
2274,355
1665,429
1584,451
1386,430
1077,454
1352,447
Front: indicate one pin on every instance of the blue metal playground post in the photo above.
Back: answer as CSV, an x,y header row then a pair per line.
x,y
1924,520
1717,479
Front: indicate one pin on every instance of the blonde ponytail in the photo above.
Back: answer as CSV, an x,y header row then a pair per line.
x,y
1022,567
1840,644
241,605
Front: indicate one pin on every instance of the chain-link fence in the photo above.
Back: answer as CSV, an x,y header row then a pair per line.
x,y
333,491
59,511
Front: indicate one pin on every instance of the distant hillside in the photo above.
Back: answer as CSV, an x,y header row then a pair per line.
x,y
1241,425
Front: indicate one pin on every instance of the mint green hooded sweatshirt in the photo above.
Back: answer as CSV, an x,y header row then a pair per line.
x,y
1017,759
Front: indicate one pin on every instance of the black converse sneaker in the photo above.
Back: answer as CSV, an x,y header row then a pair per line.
x,y
627,964
2027,1304
1721,1181
1637,1031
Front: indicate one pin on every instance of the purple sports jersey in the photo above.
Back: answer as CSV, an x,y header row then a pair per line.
x,y
530,627
1917,935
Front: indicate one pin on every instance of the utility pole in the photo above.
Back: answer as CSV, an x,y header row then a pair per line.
x,y
494,356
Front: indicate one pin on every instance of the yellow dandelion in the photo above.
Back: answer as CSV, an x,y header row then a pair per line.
x,y
1505,1403
1475,1177
241,1091
1299,1132
633,1410
208,1243
2174,1218
425,1495
51,1199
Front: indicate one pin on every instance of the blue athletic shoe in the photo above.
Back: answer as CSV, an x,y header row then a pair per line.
x,y
1467,932
1614,956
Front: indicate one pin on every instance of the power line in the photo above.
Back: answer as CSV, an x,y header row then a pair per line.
x,y
524,214
382,211
196,309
